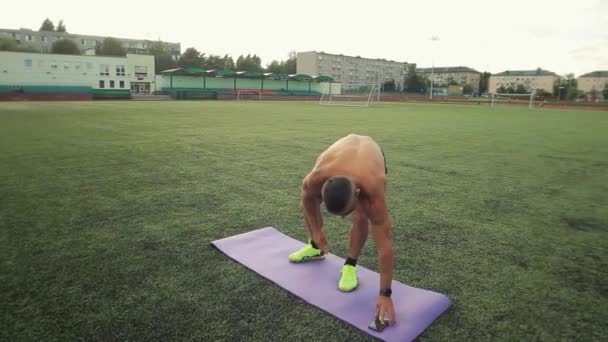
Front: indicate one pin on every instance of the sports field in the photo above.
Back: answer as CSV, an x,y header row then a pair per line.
x,y
107,210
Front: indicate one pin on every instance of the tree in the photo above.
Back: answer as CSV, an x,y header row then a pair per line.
x,y
605,91
9,44
215,62
563,86
110,47
249,63
288,66
501,90
484,80
593,94
389,85
191,58
572,93
162,57
61,26
228,63
510,90
521,89
275,67
65,47
415,83
542,92
47,25
467,89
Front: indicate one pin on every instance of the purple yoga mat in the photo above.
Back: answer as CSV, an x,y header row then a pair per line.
x,y
265,252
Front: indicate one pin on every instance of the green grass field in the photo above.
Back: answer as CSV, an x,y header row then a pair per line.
x,y
107,210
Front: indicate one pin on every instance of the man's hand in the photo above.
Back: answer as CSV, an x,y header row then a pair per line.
x,y
385,309
321,241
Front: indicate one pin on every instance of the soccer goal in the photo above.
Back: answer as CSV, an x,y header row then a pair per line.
x,y
352,95
515,99
248,95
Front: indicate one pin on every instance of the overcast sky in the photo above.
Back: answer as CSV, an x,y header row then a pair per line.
x,y
558,35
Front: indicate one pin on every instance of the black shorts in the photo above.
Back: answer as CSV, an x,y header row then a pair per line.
x,y
385,168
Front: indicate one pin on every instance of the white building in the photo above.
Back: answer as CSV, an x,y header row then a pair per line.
x,y
349,69
536,80
597,80
134,72
43,41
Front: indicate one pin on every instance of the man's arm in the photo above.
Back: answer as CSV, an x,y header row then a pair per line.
x,y
311,204
381,232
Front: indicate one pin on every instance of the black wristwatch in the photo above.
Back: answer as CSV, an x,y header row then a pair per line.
x,y
386,292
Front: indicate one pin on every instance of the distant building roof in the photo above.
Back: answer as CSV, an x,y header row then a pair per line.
x,y
601,73
441,70
342,55
537,72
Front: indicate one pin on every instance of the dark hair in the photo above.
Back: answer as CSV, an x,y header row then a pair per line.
x,y
337,192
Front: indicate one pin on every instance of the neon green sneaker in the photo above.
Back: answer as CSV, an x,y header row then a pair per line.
x,y
348,280
306,253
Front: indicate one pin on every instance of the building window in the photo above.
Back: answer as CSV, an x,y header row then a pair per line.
x,y
141,71
122,84
66,66
53,65
45,39
83,41
45,50
27,63
104,70
120,70
102,84
29,38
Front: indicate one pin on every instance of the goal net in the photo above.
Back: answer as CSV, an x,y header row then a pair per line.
x,y
248,95
526,99
353,95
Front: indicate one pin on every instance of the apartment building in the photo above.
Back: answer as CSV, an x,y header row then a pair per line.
x,y
459,74
597,80
352,69
531,79
43,41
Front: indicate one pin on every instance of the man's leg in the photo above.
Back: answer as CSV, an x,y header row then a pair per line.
x,y
358,236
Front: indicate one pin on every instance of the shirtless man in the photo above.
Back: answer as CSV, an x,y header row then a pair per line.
x,y
350,179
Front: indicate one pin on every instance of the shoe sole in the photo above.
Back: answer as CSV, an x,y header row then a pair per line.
x,y
310,258
351,290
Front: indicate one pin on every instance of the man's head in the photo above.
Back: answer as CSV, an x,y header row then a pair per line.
x,y
340,195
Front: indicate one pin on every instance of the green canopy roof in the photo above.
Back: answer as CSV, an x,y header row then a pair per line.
x,y
277,76
197,71
300,77
225,73
322,78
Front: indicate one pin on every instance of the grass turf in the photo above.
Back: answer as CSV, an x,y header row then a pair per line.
x,y
107,211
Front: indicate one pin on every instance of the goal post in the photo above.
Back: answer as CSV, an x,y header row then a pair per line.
x,y
351,95
249,95
517,99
